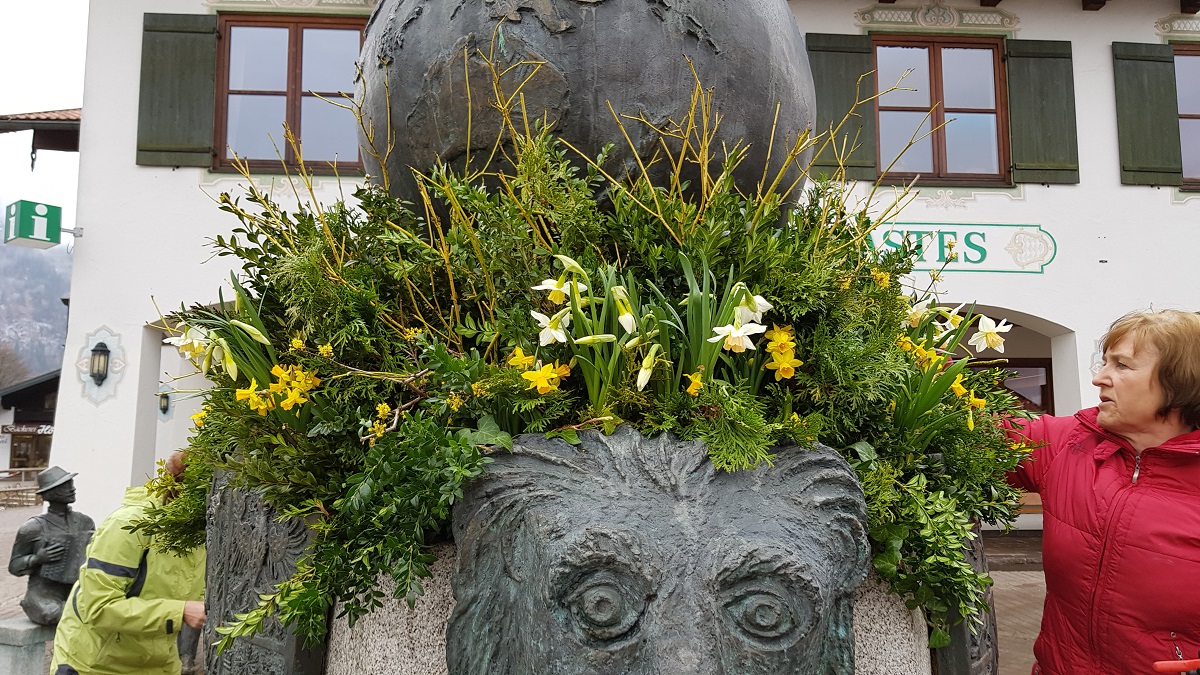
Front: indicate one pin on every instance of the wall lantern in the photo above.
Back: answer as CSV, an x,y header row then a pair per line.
x,y
164,402
98,367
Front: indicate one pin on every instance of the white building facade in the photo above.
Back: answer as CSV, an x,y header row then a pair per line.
x,y
1067,173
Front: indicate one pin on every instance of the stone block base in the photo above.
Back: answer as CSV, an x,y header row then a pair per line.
x,y
23,646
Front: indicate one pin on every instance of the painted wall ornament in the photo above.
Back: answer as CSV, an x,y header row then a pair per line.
x,y
634,555
571,59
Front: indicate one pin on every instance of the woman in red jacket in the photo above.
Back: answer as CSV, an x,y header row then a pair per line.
x,y
1120,488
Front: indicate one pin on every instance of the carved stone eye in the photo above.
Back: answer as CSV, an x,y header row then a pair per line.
x,y
604,608
768,615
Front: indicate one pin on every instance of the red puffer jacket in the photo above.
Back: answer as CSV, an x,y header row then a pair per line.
x,y
1121,547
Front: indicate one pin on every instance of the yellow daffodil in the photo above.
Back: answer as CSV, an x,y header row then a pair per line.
x,y
779,333
957,387
784,365
988,335
545,379
693,389
553,327
254,399
294,397
905,343
976,402
562,370
519,359
737,336
780,347
559,288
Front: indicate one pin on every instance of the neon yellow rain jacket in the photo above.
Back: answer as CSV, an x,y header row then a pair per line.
x,y
124,613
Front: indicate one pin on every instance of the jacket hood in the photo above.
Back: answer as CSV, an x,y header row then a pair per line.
x,y
1188,443
138,496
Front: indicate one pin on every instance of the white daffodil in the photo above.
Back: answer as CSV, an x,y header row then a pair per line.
x,y
596,339
917,312
570,265
647,368
553,327
218,355
192,342
559,288
625,315
254,333
988,335
751,309
737,335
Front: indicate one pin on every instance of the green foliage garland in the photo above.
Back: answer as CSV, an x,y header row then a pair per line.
x,y
376,352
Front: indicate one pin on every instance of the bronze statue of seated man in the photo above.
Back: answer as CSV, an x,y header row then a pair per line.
x,y
50,548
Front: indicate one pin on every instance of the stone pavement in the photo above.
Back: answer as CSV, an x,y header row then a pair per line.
x,y
1018,597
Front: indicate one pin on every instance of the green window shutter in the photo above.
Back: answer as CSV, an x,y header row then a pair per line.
x,y
175,105
1147,114
838,61
1044,142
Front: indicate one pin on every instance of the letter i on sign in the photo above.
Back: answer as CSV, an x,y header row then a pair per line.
x,y
40,223
10,223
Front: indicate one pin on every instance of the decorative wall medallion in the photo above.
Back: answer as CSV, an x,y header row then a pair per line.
x,y
937,15
326,6
107,389
1030,247
1179,27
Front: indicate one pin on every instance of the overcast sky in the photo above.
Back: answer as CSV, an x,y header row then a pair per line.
x,y
41,68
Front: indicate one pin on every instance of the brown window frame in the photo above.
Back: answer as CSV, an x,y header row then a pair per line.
x,y
295,25
1190,183
935,44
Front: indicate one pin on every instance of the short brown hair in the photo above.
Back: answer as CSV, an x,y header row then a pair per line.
x,y
1176,335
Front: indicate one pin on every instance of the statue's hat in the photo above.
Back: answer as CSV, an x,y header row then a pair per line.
x,y
52,478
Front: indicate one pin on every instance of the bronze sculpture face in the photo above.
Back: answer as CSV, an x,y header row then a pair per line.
x,y
633,555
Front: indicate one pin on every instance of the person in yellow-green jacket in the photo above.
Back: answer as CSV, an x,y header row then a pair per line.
x,y
124,614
